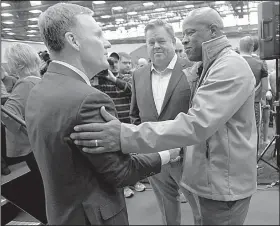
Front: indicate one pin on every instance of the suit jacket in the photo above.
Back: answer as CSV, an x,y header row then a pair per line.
x,y
17,141
176,98
80,188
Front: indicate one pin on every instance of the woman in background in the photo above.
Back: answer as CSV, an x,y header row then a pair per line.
x,y
22,60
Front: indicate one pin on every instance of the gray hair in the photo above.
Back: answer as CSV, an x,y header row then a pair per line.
x,y
246,44
22,59
56,21
161,23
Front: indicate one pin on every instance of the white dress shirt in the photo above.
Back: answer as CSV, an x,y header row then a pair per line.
x,y
160,81
79,72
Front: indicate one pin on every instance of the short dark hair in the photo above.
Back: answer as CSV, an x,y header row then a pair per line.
x,y
125,55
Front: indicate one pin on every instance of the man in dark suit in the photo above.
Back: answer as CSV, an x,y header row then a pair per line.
x,y
160,91
80,188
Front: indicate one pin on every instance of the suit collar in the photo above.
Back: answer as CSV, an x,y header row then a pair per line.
x,y
58,68
176,75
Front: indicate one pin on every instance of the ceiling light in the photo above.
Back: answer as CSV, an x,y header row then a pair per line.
x,y
105,16
132,13
98,2
148,3
7,29
6,14
33,19
189,6
3,4
117,8
32,25
35,11
145,17
179,1
30,35
34,3
119,19
159,9
220,2
8,22
31,31
11,33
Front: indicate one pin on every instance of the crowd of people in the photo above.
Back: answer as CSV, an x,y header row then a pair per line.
x,y
97,125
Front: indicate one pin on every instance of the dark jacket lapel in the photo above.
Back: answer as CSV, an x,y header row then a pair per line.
x,y
176,75
149,89
56,68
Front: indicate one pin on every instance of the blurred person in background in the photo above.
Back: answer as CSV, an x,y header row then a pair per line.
x,y
8,81
118,87
141,62
25,62
45,57
246,46
125,63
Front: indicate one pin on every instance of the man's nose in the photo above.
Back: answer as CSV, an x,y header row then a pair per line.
x,y
185,40
156,45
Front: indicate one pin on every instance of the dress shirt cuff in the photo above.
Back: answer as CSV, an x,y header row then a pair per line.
x,y
165,157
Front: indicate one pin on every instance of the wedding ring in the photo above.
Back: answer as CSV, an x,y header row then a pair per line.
x,y
96,143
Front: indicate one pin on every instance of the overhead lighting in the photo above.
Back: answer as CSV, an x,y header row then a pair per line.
x,y
119,19
220,2
105,16
179,1
189,6
148,3
35,11
98,2
117,8
159,9
7,29
10,33
33,19
34,3
6,14
145,17
32,25
8,22
132,13
31,31
30,35
3,4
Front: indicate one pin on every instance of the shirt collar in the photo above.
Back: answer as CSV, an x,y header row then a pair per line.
x,y
79,72
244,54
170,66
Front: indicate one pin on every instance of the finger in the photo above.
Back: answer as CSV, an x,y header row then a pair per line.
x,y
89,143
90,127
106,115
96,150
86,136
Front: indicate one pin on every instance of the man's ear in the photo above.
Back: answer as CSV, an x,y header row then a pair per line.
x,y
214,30
72,40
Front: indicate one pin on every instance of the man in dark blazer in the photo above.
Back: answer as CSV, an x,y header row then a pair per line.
x,y
160,91
80,188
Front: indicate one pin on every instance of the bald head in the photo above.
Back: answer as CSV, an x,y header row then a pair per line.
x,y
205,16
246,45
200,25
142,62
179,48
